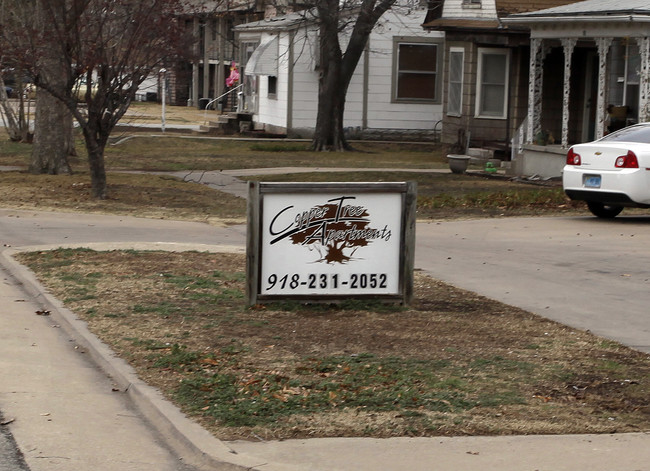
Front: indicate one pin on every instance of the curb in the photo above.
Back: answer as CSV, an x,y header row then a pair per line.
x,y
188,440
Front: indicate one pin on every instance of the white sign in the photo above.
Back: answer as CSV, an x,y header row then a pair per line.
x,y
314,241
342,243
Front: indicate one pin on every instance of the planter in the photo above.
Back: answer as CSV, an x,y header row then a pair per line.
x,y
458,163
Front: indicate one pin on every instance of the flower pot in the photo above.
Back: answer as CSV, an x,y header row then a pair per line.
x,y
458,163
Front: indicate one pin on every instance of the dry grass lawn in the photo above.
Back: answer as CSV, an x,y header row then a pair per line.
x,y
452,363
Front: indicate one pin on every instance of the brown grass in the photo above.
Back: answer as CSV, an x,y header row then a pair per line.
x,y
453,363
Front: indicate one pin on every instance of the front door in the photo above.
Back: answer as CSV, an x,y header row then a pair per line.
x,y
590,97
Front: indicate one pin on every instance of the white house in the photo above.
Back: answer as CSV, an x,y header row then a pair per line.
x,y
396,89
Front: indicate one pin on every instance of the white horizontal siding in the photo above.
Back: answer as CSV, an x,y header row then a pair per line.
x,y
273,110
455,9
381,113
305,81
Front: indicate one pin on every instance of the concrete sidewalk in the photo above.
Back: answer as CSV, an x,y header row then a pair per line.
x,y
71,415
73,405
67,414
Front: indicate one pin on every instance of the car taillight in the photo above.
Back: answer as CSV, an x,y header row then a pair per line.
x,y
628,160
572,158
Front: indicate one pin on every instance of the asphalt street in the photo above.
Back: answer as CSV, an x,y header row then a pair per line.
x,y
585,272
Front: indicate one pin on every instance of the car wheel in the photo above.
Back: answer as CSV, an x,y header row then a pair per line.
x,y
607,211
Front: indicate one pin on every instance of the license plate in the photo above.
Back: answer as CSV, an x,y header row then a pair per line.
x,y
592,181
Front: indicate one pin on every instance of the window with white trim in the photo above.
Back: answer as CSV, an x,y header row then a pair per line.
x,y
455,85
492,83
416,71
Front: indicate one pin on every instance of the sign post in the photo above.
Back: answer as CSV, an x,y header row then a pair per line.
x,y
330,241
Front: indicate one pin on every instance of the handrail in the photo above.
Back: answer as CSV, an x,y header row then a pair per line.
x,y
205,112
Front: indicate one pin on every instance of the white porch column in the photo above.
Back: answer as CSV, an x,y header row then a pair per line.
x,y
206,59
644,85
535,82
568,45
603,50
194,95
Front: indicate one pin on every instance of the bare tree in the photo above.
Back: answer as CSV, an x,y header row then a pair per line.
x,y
107,48
14,118
336,66
53,130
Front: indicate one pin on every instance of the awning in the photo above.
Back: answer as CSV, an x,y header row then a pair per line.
x,y
264,60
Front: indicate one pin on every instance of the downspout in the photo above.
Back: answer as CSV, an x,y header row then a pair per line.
x,y
195,63
511,101
290,70
220,71
366,85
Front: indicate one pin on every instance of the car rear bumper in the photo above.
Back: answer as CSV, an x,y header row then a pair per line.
x,y
626,187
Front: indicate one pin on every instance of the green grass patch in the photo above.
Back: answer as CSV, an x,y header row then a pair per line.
x,y
321,384
273,147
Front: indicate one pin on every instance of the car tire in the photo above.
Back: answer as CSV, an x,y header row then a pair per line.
x,y
605,211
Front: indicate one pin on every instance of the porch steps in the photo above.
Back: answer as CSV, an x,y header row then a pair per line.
x,y
479,155
227,124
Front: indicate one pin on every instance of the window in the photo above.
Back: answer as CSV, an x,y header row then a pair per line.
x,y
492,83
455,86
471,4
416,71
272,86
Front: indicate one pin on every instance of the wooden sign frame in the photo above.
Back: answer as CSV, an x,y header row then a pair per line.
x,y
318,242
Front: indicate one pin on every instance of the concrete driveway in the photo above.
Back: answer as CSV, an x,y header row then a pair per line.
x,y
581,271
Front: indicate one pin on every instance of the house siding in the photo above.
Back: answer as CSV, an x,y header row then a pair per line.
x,y
456,9
383,111
370,108
273,110
482,131
305,76
470,27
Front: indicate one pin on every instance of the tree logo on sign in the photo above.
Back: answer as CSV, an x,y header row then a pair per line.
x,y
336,230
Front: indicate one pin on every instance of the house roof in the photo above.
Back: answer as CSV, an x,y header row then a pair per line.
x,y
446,24
207,7
592,8
280,23
510,7
503,8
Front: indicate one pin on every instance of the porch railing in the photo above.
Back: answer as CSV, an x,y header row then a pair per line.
x,y
205,112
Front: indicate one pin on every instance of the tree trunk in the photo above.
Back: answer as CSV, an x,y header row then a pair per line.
x,y
95,148
329,133
97,174
332,85
52,126
337,68
52,122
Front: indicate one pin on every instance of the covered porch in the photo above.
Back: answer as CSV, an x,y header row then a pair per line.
x,y
588,76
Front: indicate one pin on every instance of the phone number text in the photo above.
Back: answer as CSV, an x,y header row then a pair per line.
x,y
327,281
